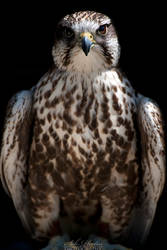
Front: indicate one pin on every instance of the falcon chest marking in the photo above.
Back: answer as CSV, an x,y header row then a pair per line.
x,y
84,135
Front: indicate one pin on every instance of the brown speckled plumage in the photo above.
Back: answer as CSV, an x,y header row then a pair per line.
x,y
70,155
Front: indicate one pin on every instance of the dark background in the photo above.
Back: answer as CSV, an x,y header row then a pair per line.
x,y
28,35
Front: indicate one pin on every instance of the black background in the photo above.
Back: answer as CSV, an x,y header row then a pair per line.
x,y
28,35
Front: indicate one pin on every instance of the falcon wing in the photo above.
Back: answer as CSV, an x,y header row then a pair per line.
x,y
152,172
15,148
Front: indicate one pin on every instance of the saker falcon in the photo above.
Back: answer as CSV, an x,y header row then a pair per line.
x,y
82,152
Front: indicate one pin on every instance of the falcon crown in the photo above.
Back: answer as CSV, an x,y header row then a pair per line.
x,y
85,41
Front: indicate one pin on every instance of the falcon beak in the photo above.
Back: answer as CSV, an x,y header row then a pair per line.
x,y
87,42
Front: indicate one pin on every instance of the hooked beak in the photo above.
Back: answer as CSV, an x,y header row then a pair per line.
x,y
87,42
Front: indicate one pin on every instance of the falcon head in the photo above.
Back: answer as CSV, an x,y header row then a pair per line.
x,y
85,41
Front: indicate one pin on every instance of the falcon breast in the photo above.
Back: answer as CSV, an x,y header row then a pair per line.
x,y
82,152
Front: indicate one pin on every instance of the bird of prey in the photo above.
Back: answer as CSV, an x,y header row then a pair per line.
x,y
82,152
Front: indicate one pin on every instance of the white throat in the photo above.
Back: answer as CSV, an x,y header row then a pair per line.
x,y
92,63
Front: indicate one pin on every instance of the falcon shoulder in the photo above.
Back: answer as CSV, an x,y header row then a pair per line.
x,y
14,150
152,170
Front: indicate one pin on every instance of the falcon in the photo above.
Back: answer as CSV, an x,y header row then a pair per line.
x,y
82,152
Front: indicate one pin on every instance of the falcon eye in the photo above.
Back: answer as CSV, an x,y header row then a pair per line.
x,y
102,30
68,32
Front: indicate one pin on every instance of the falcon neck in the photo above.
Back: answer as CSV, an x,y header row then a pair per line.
x,y
90,82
